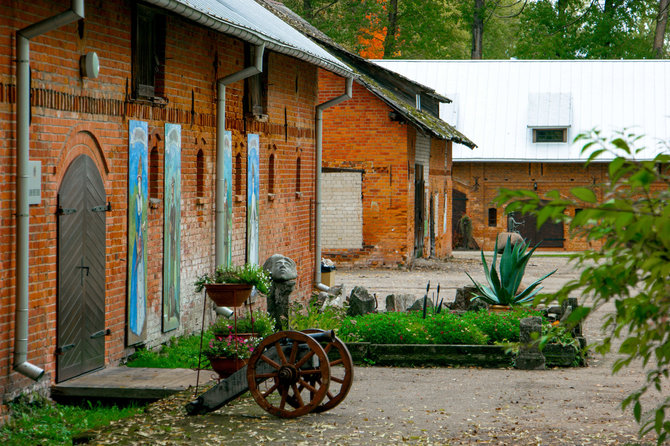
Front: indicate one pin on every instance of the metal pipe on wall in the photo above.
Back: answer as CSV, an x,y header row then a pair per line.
x,y
23,36
252,70
348,88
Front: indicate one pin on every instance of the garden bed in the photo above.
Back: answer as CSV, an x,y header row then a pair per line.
x,y
490,356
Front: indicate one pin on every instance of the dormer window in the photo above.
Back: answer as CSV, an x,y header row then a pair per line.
x,y
550,135
549,117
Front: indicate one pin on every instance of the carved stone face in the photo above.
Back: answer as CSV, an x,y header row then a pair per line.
x,y
281,268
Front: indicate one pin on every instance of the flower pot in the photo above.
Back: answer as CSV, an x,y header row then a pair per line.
x,y
226,366
228,294
499,308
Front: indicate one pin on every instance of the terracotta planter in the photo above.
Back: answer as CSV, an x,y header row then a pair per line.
x,y
228,294
499,308
226,366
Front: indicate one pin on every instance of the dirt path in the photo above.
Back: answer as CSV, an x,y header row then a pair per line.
x,y
424,405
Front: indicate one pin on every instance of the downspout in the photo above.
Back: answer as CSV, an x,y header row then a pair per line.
x,y
349,81
252,70
23,36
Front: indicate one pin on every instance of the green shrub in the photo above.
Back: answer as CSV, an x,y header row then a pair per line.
x,y
385,328
450,328
262,324
499,327
302,318
474,328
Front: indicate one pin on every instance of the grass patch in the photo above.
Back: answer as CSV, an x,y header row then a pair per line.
x,y
182,352
177,353
44,422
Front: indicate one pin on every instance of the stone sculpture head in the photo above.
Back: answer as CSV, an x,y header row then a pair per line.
x,y
281,268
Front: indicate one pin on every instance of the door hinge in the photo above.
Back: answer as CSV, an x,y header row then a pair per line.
x,y
65,211
101,333
104,208
65,348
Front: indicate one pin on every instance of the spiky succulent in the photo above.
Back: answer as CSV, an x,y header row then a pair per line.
x,y
502,289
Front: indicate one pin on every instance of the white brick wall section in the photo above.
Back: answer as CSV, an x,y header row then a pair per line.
x,y
341,211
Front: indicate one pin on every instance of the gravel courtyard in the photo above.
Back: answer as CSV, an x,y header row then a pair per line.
x,y
575,406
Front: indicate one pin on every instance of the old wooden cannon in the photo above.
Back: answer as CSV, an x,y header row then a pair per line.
x,y
289,374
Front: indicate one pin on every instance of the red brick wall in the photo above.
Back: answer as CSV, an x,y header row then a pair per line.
x,y
492,176
359,134
71,115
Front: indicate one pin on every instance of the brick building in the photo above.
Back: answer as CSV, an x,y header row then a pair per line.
x,y
71,141
524,115
386,163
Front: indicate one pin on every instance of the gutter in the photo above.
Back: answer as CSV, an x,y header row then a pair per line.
x,y
349,81
247,34
256,68
23,36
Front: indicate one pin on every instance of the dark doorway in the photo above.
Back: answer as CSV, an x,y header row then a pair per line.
x,y
81,270
419,210
431,226
550,234
459,203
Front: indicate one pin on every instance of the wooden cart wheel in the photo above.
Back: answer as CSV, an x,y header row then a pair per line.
x,y
341,372
295,395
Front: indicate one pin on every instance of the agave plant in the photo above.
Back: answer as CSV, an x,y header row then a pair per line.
x,y
502,289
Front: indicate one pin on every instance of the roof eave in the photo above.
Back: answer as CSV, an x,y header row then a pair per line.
x,y
452,135
248,35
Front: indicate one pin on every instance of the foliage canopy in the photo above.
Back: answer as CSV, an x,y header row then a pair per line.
x,y
631,223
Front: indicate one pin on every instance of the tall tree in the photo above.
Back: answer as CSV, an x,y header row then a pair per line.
x,y
428,29
587,29
477,30
661,25
392,28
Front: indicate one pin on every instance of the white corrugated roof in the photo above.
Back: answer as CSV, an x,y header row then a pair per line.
x,y
492,105
251,22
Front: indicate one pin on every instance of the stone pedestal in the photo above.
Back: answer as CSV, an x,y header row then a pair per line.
x,y
530,357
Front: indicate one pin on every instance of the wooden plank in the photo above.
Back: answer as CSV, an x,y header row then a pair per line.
x,y
129,383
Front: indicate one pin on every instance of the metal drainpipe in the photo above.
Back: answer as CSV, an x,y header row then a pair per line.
x,y
256,68
23,36
349,81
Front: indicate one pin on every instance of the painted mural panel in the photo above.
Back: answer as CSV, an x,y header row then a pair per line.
x,y
227,198
137,230
252,198
172,227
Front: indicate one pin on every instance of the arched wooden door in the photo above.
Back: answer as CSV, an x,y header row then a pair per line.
x,y
81,270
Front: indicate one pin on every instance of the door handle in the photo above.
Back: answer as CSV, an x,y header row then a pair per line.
x,y
65,348
83,267
101,333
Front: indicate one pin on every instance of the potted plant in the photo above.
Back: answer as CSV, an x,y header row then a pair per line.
x,y
231,285
227,354
503,289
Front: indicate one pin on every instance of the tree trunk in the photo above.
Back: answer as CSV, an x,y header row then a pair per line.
x,y
477,30
391,29
661,25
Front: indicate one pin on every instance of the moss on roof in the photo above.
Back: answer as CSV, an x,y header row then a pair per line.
x,y
370,75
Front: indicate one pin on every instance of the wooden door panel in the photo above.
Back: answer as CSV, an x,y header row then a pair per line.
x,y
81,270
